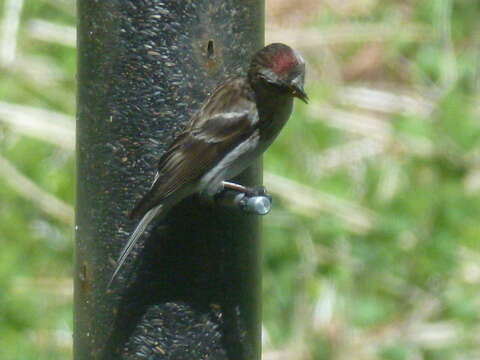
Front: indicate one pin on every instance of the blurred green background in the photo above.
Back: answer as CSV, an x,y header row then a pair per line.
x,y
372,250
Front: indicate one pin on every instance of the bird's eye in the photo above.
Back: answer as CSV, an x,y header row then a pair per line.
x,y
270,81
274,82
265,79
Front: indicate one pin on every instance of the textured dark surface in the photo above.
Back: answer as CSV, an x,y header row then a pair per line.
x,y
190,290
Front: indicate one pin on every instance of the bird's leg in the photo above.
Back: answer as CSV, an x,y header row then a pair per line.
x,y
227,185
253,200
251,191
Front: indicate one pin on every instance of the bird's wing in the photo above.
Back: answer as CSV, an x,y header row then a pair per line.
x,y
227,118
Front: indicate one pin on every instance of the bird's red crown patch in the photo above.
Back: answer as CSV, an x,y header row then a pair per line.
x,y
283,62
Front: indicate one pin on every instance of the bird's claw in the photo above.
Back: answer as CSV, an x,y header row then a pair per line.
x,y
258,191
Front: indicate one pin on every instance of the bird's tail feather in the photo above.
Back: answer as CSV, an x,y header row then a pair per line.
x,y
139,230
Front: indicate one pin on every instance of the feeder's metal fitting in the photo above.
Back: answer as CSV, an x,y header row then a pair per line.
x,y
258,204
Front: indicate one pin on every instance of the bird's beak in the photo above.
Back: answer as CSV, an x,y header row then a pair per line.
x,y
298,92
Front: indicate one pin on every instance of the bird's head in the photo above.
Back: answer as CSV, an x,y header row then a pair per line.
x,y
281,68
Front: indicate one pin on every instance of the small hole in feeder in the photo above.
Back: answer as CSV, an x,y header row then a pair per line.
x,y
210,49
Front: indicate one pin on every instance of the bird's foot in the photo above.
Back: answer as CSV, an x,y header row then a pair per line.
x,y
258,191
253,200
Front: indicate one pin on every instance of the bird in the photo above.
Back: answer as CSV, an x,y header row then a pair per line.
x,y
235,125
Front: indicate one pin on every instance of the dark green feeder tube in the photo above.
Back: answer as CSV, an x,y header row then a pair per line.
x,y
190,289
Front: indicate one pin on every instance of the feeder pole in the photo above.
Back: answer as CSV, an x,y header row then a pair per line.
x,y
190,289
